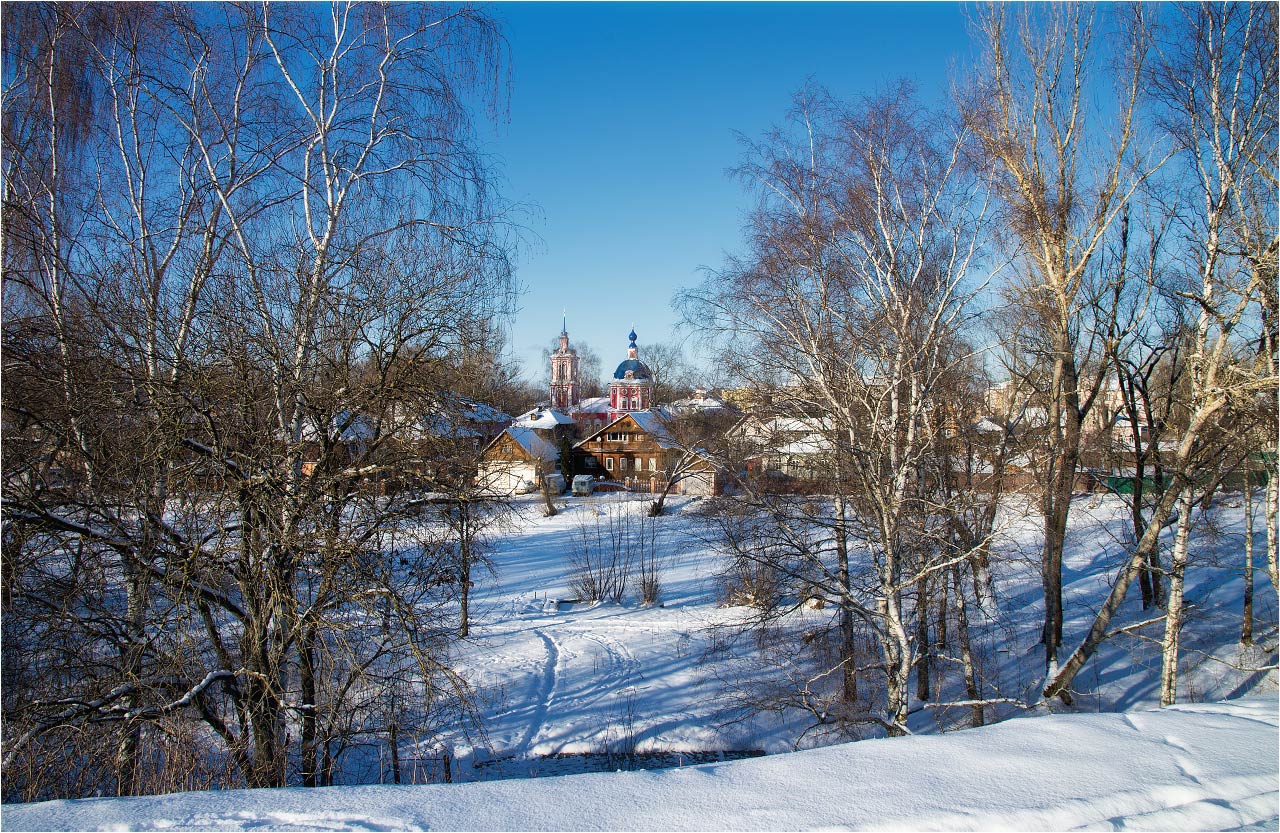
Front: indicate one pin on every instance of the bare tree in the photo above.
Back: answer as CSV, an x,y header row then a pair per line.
x,y
671,371
1064,179
857,283
603,552
1216,80
122,242
279,240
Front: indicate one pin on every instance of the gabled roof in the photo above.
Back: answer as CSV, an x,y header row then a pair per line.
x,y
810,444
441,426
346,426
701,403
987,425
533,446
774,425
458,417
476,411
596,405
647,421
543,419
652,424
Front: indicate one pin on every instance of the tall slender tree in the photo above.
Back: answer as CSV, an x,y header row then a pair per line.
x,y
1065,174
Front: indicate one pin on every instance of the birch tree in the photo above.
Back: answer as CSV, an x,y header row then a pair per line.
x,y
1216,84
1065,174
859,276
251,296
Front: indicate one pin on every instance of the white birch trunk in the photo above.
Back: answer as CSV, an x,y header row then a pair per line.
x,y
1246,618
1173,614
1272,504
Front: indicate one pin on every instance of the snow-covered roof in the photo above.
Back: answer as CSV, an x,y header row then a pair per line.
x,y
348,427
442,425
458,417
770,426
528,439
651,423
595,405
701,401
809,444
987,425
477,411
543,419
648,421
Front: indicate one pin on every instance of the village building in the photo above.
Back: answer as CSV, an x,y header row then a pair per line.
x,y
553,425
785,446
516,460
631,388
701,402
406,436
638,450
591,414
457,417
564,373
627,436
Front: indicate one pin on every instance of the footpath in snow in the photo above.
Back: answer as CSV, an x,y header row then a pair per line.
x,y
569,678
1192,767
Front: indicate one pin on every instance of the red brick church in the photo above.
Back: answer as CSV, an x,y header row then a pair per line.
x,y
630,391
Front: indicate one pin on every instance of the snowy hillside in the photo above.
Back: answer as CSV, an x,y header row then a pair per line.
x,y
560,678
565,687
1196,767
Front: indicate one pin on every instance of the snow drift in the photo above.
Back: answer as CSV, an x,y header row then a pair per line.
x,y
1190,767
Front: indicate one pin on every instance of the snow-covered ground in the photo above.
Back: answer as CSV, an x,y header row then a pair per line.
x,y
1193,767
567,678
555,677
563,677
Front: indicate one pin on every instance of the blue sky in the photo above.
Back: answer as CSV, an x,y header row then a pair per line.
x,y
624,120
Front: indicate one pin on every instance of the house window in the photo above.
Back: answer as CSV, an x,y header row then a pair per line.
x,y
608,463
653,464
591,462
617,437
622,463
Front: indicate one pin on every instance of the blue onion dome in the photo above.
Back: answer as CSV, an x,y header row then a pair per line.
x,y
633,365
638,369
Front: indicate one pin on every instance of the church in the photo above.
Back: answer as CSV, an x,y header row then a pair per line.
x,y
630,390
625,436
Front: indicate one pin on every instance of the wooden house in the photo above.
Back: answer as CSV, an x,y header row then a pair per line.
x,y
638,450
515,461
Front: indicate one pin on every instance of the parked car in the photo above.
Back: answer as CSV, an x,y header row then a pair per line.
x,y
583,485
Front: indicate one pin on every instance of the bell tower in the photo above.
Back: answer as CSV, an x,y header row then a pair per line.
x,y
564,372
